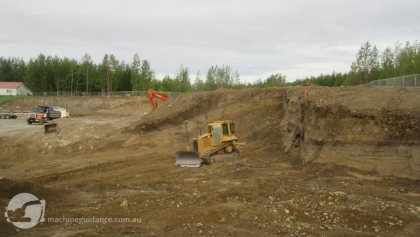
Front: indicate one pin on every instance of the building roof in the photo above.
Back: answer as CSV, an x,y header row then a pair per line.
x,y
10,84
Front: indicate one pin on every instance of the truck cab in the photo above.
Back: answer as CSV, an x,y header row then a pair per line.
x,y
42,114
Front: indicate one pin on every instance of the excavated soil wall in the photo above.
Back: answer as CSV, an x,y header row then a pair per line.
x,y
382,136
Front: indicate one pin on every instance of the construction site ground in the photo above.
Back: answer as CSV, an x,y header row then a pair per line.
x,y
341,162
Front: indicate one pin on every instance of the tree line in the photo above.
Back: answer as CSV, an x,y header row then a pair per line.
x,y
54,74
370,65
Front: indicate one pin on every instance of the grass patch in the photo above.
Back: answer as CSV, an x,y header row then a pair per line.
x,y
4,98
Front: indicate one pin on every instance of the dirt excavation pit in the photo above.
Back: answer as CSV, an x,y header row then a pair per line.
x,y
341,162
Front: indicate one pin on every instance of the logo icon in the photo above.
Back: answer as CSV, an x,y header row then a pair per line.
x,y
25,211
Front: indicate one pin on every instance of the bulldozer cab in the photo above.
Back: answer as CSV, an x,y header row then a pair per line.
x,y
221,131
227,126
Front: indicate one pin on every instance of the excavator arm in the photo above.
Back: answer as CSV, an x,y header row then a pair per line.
x,y
154,94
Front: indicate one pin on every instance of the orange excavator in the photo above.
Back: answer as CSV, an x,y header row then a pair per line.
x,y
154,94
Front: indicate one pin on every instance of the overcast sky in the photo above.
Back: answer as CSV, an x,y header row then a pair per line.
x,y
256,38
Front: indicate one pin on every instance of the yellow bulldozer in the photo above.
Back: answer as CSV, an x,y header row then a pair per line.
x,y
216,145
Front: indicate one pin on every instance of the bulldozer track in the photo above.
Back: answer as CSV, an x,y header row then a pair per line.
x,y
212,156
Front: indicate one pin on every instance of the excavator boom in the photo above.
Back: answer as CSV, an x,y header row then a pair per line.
x,y
154,94
160,96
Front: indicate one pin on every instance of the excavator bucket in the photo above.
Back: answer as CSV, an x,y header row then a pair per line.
x,y
50,128
187,159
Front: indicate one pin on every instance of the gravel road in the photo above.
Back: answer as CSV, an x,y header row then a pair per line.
x,y
12,125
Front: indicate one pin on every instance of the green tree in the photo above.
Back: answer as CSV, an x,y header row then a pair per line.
x,y
113,68
275,80
12,69
56,69
123,77
366,65
167,84
417,58
406,59
125,83
69,68
221,77
74,68
210,83
182,80
87,70
104,71
198,83
119,69
110,72
387,63
38,76
135,71
146,75
4,69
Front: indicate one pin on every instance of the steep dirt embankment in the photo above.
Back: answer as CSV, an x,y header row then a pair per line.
x,y
373,129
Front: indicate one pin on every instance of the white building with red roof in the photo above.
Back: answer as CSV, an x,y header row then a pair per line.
x,y
13,88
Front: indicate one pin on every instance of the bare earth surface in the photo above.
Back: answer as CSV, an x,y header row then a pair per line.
x,y
342,162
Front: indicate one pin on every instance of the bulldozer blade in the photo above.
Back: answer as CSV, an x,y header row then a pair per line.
x,y
50,128
187,159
